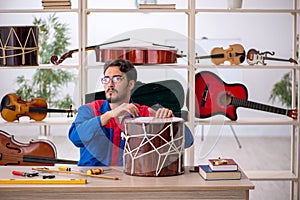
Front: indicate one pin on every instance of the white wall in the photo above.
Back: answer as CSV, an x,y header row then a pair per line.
x,y
261,31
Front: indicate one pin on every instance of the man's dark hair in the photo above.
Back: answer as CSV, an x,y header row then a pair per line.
x,y
125,66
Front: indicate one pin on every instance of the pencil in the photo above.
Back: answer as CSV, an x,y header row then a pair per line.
x,y
43,181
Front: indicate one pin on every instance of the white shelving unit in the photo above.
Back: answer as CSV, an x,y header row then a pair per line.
x,y
191,11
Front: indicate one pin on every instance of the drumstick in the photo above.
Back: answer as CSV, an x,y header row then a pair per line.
x,y
77,173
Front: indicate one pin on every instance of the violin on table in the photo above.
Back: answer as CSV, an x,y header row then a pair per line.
x,y
36,152
13,107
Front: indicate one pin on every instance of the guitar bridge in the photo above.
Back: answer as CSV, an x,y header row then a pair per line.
x,y
204,96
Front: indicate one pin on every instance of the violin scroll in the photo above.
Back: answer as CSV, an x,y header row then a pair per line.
x,y
54,59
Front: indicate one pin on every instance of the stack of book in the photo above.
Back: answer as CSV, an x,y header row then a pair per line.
x,y
56,4
220,169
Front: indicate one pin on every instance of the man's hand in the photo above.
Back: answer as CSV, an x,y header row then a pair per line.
x,y
125,108
161,113
121,110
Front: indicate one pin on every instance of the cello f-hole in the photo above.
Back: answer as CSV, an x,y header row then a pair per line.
x,y
13,148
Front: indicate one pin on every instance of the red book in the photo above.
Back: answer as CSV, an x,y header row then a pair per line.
x,y
223,164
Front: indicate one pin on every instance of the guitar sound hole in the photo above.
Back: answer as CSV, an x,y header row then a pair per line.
x,y
224,99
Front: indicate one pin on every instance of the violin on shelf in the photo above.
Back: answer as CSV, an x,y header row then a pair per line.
x,y
36,152
13,107
255,57
235,54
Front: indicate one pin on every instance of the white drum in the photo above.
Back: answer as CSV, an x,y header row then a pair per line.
x,y
154,146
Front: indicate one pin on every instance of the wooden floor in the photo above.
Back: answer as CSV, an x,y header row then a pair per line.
x,y
255,153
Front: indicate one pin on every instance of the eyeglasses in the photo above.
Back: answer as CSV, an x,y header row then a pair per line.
x,y
114,79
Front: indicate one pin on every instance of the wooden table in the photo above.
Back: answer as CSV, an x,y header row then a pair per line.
x,y
186,186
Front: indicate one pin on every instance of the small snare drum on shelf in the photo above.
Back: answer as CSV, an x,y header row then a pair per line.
x,y
19,45
154,146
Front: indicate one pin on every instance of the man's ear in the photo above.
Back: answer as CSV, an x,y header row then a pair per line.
x,y
131,84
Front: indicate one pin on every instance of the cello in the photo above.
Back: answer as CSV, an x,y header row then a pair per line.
x,y
13,107
36,152
155,54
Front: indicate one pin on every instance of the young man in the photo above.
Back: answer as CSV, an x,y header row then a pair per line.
x,y
98,125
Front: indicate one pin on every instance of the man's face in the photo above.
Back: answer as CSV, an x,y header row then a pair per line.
x,y
118,91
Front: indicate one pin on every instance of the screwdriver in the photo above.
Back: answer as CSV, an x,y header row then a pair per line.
x,y
95,171
89,172
18,173
68,169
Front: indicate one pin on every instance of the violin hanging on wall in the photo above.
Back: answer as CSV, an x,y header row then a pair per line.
x,y
255,57
36,152
235,54
13,107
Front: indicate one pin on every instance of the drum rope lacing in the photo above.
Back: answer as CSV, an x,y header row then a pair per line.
x,y
23,48
172,149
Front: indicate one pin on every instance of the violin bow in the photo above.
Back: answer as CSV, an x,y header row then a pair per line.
x,y
54,59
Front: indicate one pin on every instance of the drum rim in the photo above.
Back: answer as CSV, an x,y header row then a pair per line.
x,y
153,120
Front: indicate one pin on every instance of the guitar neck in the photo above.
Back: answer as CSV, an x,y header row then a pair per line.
x,y
277,59
258,106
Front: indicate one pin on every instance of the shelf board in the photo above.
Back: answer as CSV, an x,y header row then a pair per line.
x,y
99,10
108,10
267,175
46,121
154,66
247,121
22,11
247,10
205,10
42,66
239,67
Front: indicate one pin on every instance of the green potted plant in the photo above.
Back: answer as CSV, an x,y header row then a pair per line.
x,y
46,83
282,90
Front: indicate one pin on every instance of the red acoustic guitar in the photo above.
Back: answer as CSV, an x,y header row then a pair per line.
x,y
214,96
